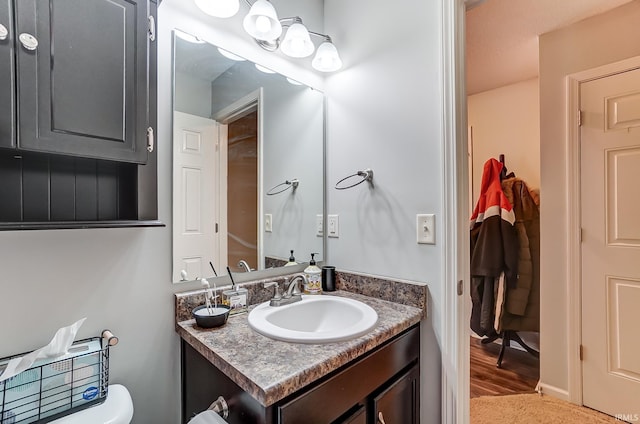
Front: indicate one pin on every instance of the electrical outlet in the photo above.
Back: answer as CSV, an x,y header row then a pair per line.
x,y
319,225
268,223
426,228
333,222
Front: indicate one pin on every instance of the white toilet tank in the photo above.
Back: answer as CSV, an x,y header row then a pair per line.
x,y
117,409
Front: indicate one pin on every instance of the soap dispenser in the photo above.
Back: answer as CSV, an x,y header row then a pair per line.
x,y
313,273
292,260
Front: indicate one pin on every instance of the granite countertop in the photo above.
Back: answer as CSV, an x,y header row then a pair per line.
x,y
269,369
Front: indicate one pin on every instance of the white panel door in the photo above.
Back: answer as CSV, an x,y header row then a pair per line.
x,y
195,196
610,193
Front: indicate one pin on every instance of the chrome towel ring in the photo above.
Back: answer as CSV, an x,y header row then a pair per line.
x,y
287,185
366,175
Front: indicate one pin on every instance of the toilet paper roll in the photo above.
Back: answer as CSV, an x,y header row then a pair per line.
x,y
207,417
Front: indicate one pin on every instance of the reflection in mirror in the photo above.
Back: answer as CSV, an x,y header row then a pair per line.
x,y
248,165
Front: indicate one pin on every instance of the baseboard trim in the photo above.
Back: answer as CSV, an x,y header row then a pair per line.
x,y
553,391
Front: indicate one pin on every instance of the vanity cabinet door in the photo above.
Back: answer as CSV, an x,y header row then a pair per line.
x,y
7,77
399,403
83,77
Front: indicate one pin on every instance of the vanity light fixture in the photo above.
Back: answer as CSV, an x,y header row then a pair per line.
x,y
297,42
262,23
327,58
219,8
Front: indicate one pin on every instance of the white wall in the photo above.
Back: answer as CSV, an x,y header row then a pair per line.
x,y
597,41
506,121
384,112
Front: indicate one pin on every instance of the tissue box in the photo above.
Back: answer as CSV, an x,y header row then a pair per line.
x,y
55,387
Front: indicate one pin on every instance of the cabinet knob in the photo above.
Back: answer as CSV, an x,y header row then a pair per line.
x,y
28,41
4,32
381,418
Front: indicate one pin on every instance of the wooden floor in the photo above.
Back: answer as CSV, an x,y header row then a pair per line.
x,y
519,373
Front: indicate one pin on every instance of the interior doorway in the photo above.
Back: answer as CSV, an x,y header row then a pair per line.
x,y
503,120
241,150
242,191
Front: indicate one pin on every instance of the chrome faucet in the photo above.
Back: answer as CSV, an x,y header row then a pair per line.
x,y
242,264
293,293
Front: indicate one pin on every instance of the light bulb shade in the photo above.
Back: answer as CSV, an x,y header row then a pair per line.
x,y
297,42
219,8
327,58
262,21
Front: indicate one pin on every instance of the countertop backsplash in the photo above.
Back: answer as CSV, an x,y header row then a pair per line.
x,y
397,291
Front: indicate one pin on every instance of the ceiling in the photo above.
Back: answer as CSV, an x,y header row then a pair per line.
x,y
502,36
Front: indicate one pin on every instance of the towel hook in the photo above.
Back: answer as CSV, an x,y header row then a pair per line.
x,y
367,175
288,184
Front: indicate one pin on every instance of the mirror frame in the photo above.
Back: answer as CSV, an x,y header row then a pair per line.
x,y
260,274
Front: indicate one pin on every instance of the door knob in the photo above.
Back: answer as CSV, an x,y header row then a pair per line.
x,y
4,32
28,41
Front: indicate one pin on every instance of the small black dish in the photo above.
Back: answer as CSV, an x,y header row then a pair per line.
x,y
218,318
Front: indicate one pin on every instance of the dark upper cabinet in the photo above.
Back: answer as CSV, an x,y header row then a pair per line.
x,y
77,96
7,77
84,89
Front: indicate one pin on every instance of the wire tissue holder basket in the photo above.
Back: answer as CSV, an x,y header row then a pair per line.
x,y
53,388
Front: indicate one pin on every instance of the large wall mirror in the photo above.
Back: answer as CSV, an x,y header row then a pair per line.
x,y
248,165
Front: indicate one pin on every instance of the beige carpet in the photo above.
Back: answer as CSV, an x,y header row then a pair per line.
x,y
532,409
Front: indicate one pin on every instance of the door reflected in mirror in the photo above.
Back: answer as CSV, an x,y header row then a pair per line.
x,y
248,165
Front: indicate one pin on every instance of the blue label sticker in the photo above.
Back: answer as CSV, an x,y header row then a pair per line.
x,y
90,393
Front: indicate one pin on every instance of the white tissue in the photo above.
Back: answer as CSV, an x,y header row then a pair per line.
x,y
207,417
58,346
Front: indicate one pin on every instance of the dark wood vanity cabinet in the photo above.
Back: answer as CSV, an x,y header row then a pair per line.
x,y
385,381
77,107
82,77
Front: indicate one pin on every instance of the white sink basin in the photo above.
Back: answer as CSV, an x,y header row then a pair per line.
x,y
314,319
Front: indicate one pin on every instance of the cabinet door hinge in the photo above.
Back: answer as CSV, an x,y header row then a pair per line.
x,y
216,227
150,140
581,353
579,118
152,28
460,288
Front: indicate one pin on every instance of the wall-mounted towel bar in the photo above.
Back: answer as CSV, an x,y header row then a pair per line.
x,y
283,187
366,175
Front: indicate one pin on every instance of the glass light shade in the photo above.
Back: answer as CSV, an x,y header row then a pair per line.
x,y
262,21
327,58
297,42
219,8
